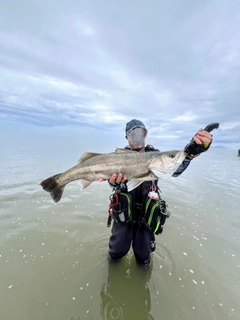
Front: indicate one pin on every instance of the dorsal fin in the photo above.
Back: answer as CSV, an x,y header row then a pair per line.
x,y
88,155
121,150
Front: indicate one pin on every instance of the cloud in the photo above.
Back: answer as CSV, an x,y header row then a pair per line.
x,y
80,65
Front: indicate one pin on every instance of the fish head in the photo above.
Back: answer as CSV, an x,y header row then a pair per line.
x,y
166,163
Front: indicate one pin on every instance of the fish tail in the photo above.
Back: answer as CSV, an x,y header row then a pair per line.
x,y
51,185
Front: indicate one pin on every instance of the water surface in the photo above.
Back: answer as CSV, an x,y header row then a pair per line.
x,y
53,257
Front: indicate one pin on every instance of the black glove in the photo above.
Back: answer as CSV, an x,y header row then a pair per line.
x,y
193,149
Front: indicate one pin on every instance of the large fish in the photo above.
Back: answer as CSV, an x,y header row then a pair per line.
x,y
136,166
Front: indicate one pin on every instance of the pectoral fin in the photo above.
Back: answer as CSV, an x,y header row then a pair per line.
x,y
137,180
88,155
133,184
84,183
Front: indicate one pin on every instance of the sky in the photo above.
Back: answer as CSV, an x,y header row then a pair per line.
x,y
83,69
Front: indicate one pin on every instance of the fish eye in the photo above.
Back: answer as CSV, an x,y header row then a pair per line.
x,y
172,155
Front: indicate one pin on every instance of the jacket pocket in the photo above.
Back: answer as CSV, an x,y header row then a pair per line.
x,y
155,215
122,207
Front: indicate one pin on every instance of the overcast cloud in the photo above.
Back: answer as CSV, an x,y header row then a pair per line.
x,y
85,68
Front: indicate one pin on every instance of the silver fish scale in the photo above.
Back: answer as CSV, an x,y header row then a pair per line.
x,y
136,167
130,164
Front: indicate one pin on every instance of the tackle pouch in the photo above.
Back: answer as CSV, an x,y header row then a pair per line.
x,y
122,207
155,214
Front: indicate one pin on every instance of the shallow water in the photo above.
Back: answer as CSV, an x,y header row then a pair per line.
x,y
53,257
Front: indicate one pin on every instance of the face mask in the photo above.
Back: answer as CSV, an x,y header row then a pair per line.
x,y
137,137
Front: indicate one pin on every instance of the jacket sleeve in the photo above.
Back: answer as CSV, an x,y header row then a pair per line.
x,y
181,168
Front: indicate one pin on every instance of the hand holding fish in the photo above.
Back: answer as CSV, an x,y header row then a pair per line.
x,y
114,179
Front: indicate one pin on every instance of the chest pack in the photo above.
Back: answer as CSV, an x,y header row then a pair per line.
x,y
155,214
154,210
120,208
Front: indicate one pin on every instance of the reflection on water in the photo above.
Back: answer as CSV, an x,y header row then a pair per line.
x,y
126,293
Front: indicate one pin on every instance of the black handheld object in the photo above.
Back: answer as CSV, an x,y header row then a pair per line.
x,y
211,126
193,149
